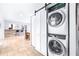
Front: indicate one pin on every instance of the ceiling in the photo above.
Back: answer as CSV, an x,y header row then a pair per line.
x,y
18,11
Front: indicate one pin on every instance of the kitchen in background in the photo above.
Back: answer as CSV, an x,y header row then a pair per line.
x,y
14,29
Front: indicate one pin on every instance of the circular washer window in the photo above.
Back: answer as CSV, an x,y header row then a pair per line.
x,y
56,47
55,19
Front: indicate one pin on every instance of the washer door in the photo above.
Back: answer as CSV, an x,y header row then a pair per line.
x,y
56,47
56,19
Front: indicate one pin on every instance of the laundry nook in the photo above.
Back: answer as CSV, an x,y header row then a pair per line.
x,y
39,29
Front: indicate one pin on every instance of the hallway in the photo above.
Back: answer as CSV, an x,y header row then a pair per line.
x,y
17,46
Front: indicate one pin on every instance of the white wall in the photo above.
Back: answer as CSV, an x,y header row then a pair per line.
x,y
1,29
16,12
72,29
28,27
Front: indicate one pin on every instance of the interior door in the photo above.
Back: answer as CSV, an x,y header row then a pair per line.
x,y
43,31
36,31
39,31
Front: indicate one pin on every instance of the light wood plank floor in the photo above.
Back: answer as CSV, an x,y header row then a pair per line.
x,y
17,46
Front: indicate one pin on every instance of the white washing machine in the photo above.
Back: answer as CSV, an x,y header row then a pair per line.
x,y
57,21
57,45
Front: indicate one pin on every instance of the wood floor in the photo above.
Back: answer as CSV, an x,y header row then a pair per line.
x,y
17,46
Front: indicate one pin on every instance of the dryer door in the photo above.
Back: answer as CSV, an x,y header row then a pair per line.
x,y
57,48
56,19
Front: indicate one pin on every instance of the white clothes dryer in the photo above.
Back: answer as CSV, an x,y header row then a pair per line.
x,y
58,19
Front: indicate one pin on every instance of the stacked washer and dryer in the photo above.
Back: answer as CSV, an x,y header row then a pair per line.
x,y
57,33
